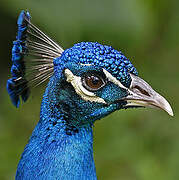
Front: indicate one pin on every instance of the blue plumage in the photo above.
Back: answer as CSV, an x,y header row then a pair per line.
x,y
86,83
101,56
18,67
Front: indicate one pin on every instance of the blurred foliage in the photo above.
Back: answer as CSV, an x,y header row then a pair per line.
x,y
137,144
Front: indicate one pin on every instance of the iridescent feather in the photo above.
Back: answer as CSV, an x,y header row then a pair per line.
x,y
32,57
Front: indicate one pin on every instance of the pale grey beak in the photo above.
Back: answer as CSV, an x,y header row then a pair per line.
x,y
142,94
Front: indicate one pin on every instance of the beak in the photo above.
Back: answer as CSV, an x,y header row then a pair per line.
x,y
142,94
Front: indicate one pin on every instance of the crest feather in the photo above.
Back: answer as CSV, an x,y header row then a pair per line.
x,y
32,59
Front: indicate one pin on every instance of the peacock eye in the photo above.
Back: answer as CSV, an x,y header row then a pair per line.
x,y
93,82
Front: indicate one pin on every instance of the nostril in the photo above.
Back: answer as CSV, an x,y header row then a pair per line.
x,y
141,90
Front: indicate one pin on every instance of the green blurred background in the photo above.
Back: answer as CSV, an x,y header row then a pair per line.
x,y
136,144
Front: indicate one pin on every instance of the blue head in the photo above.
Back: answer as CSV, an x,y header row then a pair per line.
x,y
91,80
88,81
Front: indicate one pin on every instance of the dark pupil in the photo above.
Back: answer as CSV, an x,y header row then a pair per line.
x,y
94,82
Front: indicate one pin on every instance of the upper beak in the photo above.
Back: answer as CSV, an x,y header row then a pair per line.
x,y
142,94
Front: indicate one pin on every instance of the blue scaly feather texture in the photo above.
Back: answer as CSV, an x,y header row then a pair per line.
x,y
61,145
102,56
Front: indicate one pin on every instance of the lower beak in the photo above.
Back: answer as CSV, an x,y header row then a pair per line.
x,y
142,94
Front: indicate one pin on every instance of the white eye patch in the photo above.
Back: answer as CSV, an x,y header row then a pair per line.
x,y
113,79
80,90
117,82
85,64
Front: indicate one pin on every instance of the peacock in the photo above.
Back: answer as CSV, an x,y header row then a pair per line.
x,y
86,83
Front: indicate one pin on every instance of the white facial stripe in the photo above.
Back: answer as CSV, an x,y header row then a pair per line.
x,y
113,79
117,82
80,90
85,64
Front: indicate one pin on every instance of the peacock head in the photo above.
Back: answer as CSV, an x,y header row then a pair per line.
x,y
96,80
87,81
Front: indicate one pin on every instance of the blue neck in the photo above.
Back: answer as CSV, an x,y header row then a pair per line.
x,y
57,150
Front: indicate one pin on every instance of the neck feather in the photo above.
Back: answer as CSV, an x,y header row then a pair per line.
x,y
57,150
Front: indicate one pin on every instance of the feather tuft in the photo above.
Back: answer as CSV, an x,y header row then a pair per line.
x,y
32,59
